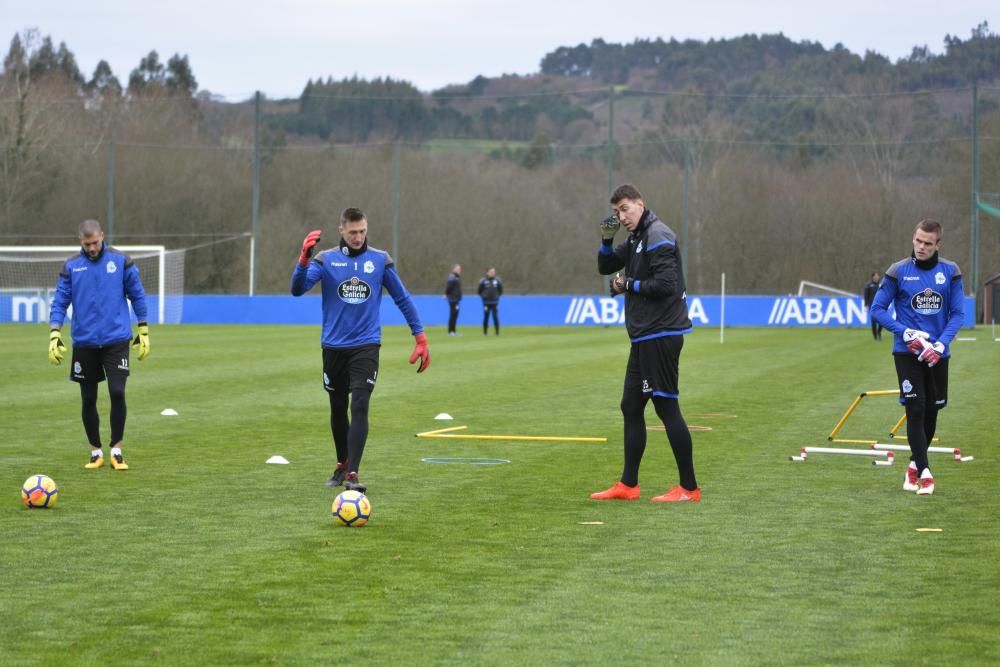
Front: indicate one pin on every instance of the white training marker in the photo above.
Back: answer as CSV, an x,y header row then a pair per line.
x,y
966,459
278,459
930,530
444,416
887,462
169,412
845,451
796,458
885,447
591,523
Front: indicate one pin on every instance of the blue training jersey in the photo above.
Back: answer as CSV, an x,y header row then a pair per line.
x,y
927,298
98,289
352,295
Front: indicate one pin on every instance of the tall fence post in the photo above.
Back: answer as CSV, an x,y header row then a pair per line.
x,y
684,208
606,280
611,140
395,202
974,227
255,206
110,221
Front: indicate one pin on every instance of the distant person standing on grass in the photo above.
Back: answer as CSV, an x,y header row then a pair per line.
x,y
929,298
353,277
453,292
490,291
99,283
656,318
870,289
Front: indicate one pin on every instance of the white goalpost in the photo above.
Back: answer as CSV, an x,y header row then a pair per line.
x,y
28,276
809,288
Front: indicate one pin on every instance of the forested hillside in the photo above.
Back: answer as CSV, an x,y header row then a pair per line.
x,y
737,74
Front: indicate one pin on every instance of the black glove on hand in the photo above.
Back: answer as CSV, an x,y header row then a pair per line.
x,y
609,227
619,284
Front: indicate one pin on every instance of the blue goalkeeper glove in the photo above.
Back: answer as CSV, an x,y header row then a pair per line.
x,y
56,347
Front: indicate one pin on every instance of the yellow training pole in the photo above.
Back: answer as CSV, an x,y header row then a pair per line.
x,y
443,433
546,438
426,434
854,406
899,425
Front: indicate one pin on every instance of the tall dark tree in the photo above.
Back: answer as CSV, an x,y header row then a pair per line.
x,y
152,77
15,63
179,77
104,82
147,76
67,64
44,61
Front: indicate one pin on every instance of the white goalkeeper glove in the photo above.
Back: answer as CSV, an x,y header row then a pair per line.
x,y
914,340
932,353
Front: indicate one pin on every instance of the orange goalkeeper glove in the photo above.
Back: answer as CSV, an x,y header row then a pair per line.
x,y
421,351
312,238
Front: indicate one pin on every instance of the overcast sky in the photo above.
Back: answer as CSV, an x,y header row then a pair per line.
x,y
238,46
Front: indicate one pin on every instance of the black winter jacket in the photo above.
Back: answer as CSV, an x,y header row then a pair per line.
x,y
655,299
453,290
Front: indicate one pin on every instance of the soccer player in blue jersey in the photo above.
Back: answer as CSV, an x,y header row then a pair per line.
x,y
353,277
927,293
97,283
656,318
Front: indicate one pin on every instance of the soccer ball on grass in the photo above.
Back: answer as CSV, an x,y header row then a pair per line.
x,y
352,508
39,491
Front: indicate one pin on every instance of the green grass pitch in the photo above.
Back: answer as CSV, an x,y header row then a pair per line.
x,y
202,554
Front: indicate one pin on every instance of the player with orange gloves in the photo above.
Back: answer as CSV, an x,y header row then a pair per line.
x,y
353,277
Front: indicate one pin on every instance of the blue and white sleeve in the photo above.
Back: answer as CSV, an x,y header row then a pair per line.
x,y
401,297
305,277
60,300
879,310
956,311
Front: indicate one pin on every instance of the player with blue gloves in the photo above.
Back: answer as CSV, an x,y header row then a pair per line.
x,y
928,296
353,277
97,282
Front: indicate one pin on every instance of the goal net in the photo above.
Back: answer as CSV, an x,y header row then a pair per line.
x,y
807,288
989,202
28,276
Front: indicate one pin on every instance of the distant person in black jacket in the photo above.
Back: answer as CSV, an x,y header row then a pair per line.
x,y
656,318
870,289
453,292
490,291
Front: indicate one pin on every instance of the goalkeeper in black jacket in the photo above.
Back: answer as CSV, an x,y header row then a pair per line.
x,y
656,317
